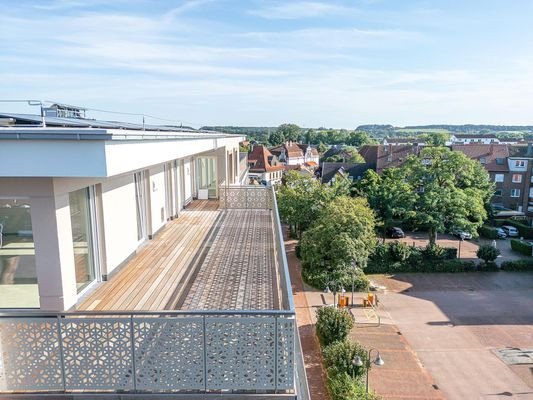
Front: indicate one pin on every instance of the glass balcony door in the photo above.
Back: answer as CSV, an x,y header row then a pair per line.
x,y
207,177
18,274
82,219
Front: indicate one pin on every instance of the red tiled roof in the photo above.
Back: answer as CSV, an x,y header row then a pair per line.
x,y
258,159
488,151
394,156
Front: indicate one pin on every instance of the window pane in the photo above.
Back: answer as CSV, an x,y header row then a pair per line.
x,y
80,219
18,275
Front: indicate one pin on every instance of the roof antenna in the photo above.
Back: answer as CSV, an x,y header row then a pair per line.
x,y
143,123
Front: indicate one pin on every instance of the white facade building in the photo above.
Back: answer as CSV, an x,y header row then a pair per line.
x,y
77,203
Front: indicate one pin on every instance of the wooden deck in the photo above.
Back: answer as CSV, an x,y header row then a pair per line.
x,y
206,259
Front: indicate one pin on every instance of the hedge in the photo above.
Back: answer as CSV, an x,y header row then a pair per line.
x,y
521,246
519,265
488,232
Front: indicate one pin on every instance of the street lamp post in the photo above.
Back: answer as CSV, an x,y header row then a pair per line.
x,y
354,268
335,288
460,241
357,362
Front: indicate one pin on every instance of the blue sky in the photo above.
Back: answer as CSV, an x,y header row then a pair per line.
x,y
314,63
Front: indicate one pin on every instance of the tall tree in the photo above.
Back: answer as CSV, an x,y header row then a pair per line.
x,y
343,233
290,132
301,198
451,190
437,138
389,195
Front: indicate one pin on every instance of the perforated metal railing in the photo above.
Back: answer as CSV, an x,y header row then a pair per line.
x,y
161,352
203,351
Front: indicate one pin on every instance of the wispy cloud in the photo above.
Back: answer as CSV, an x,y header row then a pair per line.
x,y
298,9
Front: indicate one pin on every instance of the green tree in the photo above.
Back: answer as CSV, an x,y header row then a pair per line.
x,y
343,233
332,324
450,190
437,138
276,138
301,198
360,138
290,132
389,195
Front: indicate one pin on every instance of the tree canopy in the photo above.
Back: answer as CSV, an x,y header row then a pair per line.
x,y
343,233
286,132
450,190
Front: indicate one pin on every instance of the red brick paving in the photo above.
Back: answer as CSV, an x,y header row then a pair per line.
x,y
316,375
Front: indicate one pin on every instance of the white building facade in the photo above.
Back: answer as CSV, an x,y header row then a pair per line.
x,y
77,203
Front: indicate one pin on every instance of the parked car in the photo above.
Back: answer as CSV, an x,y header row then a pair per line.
x,y
510,231
463,235
395,232
501,233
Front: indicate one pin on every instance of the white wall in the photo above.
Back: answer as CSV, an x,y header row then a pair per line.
x,y
156,192
120,219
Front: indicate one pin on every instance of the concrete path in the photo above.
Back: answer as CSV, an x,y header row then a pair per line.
x,y
455,321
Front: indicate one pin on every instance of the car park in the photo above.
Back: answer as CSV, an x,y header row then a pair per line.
x,y
395,232
510,231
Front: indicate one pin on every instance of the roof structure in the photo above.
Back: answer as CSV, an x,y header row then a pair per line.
x,y
33,120
333,169
261,159
393,156
370,153
477,135
524,150
492,156
292,149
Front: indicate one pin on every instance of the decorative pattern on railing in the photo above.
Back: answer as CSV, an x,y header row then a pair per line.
x,y
245,197
200,352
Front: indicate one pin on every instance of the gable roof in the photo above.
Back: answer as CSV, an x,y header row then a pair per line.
x,y
293,149
262,160
355,170
393,156
370,153
490,152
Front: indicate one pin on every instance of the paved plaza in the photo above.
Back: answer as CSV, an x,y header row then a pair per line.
x,y
460,324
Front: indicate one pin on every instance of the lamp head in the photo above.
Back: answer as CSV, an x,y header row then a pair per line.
x,y
379,361
357,361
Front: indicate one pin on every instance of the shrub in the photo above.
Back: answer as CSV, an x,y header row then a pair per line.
x,y
399,251
339,357
521,246
297,250
519,265
343,387
487,253
453,266
436,252
488,232
333,324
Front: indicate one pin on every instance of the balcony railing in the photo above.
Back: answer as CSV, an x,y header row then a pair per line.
x,y
191,352
155,352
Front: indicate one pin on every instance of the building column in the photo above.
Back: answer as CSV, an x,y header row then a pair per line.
x,y
54,255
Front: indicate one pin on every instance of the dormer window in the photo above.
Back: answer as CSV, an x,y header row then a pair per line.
x,y
499,161
483,160
519,163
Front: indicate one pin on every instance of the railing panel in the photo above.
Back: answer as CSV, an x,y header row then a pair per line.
x,y
169,353
241,353
285,353
30,357
245,197
97,353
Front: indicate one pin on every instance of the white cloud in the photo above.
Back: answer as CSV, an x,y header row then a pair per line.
x,y
298,9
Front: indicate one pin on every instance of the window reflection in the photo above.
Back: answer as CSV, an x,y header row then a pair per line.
x,y
18,274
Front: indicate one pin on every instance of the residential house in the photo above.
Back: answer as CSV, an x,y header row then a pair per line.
x,y
494,157
331,171
265,168
292,153
380,157
117,278
480,138
520,164
403,141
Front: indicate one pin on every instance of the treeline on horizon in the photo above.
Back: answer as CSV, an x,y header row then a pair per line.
x,y
378,131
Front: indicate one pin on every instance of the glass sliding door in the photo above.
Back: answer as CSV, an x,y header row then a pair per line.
x,y
140,202
207,176
18,274
81,219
